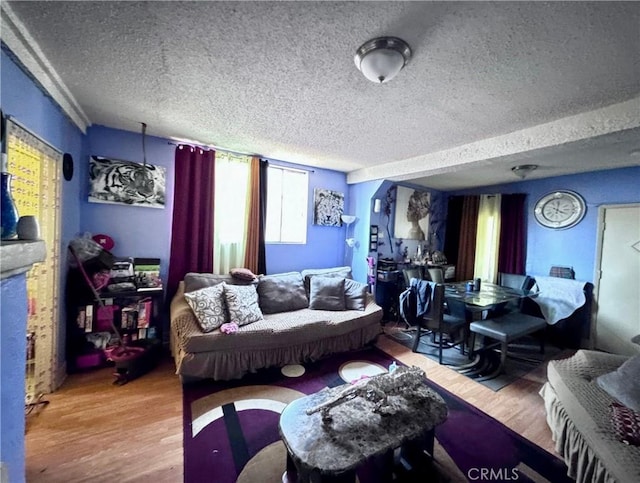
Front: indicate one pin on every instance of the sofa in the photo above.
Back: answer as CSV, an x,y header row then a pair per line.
x,y
583,403
300,316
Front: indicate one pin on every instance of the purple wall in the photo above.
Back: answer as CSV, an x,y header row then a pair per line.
x,y
575,247
325,245
136,231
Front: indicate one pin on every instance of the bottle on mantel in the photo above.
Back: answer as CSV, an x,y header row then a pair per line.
x,y
8,210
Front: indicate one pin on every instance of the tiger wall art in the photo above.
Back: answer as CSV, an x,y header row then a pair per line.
x,y
126,182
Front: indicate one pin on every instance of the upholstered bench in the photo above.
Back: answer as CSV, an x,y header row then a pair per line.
x,y
505,329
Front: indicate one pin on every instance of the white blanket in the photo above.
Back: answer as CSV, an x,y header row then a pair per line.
x,y
558,298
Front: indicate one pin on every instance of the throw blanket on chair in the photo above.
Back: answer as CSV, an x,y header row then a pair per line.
x,y
558,298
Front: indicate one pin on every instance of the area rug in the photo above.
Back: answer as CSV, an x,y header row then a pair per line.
x,y
231,429
524,358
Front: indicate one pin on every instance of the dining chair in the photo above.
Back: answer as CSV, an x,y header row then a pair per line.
x,y
516,282
436,274
512,280
413,272
439,324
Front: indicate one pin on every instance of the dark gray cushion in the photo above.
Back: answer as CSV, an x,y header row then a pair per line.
x,y
281,292
327,293
355,295
196,281
340,272
623,384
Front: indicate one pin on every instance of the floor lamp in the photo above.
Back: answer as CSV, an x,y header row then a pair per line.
x,y
350,241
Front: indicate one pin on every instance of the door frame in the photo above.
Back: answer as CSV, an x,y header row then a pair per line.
x,y
597,271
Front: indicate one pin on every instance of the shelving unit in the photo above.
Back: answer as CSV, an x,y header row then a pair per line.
x,y
91,318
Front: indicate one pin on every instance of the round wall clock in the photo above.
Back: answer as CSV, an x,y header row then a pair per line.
x,y
560,209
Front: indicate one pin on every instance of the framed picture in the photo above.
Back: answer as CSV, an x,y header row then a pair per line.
x,y
413,208
125,182
373,238
328,207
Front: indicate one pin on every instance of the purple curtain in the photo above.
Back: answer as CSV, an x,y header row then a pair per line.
x,y
512,253
193,204
452,233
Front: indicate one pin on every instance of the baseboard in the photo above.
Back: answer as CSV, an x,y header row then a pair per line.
x,y
4,473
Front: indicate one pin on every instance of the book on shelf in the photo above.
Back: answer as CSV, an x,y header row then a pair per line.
x,y
144,313
88,321
147,272
129,318
80,319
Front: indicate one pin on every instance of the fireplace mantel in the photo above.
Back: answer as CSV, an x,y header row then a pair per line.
x,y
18,256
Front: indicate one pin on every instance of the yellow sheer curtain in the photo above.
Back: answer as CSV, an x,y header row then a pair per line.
x,y
232,190
488,238
35,167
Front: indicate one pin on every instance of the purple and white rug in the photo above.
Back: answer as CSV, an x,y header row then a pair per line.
x,y
231,429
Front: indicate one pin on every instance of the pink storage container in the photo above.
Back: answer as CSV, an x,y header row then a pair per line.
x,y
92,359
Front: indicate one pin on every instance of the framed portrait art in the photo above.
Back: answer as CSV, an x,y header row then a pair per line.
x,y
328,207
413,208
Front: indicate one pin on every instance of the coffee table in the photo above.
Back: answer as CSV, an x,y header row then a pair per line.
x,y
331,452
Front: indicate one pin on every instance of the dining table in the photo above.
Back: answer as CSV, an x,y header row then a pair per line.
x,y
488,297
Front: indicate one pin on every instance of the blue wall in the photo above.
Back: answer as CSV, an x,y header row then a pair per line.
x,y
21,98
575,246
146,232
136,231
325,245
13,347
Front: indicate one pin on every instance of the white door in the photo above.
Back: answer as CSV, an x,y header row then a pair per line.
x,y
618,287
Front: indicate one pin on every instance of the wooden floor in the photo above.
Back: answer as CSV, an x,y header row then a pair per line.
x,y
95,431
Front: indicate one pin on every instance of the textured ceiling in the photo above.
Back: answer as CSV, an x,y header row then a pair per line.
x,y
490,84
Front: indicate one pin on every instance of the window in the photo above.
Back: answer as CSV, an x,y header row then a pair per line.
x,y
287,192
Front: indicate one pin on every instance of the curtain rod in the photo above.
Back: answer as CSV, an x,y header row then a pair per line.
x,y
275,161
208,146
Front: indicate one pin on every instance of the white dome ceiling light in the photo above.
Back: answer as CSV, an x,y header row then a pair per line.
x,y
381,59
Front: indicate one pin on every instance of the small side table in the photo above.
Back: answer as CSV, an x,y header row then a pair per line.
x,y
331,452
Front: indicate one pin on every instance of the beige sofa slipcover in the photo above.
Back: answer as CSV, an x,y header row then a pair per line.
x,y
281,338
579,416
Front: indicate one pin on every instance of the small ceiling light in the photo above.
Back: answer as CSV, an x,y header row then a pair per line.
x,y
381,59
524,170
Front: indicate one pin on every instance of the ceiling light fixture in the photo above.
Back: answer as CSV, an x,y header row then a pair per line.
x,y
381,59
524,170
